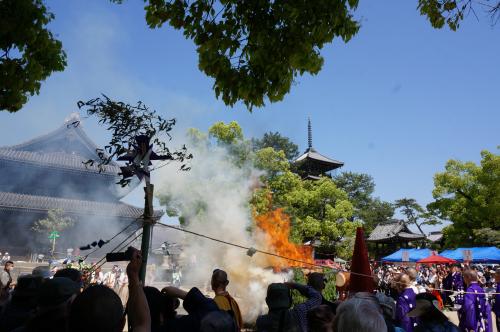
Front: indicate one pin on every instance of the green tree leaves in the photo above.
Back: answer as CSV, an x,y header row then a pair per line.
x,y
468,195
452,12
278,143
55,221
254,50
368,209
29,52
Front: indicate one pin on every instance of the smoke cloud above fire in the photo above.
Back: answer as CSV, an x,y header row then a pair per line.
x,y
213,197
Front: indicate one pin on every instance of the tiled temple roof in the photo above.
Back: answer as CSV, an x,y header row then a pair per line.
x,y
13,201
393,230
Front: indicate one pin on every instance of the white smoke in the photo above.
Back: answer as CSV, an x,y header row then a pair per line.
x,y
223,191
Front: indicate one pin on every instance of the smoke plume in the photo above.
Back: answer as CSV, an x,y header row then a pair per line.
x,y
213,198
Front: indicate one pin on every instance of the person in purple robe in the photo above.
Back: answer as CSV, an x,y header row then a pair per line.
x,y
458,285
475,313
496,306
405,303
447,284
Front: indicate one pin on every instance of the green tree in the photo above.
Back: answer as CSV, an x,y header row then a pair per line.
x,y
318,209
468,195
29,52
415,214
278,143
254,50
55,221
360,188
452,12
376,212
53,224
226,133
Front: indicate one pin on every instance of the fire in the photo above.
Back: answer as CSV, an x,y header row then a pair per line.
x,y
276,228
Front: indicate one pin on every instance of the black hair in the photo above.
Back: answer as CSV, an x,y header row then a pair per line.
x,y
320,318
72,274
96,309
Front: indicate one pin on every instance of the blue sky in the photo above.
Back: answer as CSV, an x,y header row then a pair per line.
x,y
396,102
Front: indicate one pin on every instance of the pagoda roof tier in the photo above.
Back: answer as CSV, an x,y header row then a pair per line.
x,y
319,160
60,160
33,203
393,231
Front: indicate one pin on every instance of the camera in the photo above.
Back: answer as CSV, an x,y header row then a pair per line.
x,y
120,256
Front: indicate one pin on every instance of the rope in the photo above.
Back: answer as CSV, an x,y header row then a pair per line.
x,y
98,265
125,246
297,260
111,239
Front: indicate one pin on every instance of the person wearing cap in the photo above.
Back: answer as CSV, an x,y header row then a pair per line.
x,y
496,306
405,303
475,313
431,319
222,298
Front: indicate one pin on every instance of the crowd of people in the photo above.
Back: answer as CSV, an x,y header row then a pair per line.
x,y
406,300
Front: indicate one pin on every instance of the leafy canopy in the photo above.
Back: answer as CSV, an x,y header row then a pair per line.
x,y
319,210
278,143
452,12
415,214
468,195
55,221
255,49
126,122
28,51
368,209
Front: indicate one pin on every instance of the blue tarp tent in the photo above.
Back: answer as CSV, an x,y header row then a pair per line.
x,y
479,254
413,255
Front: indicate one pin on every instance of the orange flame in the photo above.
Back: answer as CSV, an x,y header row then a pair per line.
x,y
276,227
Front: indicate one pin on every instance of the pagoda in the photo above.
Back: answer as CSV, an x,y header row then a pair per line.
x,y
48,172
312,164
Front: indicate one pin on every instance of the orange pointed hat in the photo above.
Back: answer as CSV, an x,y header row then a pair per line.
x,y
361,274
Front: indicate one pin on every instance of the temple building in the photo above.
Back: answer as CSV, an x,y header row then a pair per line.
x,y
393,235
312,164
48,172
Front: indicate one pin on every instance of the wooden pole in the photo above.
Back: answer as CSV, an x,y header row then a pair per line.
x,y
147,228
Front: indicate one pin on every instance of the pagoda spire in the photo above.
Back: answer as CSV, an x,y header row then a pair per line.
x,y
309,134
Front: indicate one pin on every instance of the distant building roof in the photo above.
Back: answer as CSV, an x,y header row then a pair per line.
x,y
435,236
16,202
60,160
393,230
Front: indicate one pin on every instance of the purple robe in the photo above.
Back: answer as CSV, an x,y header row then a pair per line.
x,y
496,306
405,303
458,286
475,314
